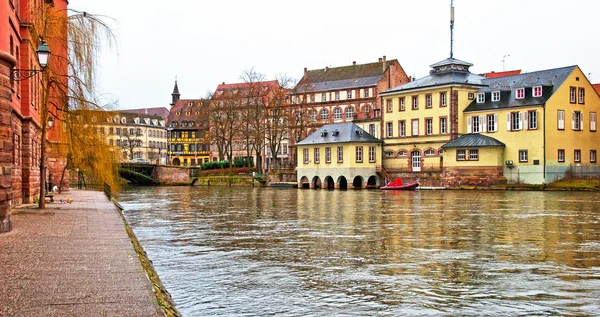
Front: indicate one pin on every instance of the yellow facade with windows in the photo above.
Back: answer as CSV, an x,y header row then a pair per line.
x,y
339,156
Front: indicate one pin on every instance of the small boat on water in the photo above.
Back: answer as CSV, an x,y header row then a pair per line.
x,y
398,185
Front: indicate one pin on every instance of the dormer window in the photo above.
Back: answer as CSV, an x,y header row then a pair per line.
x,y
495,96
177,113
123,120
190,104
137,120
480,98
520,93
537,91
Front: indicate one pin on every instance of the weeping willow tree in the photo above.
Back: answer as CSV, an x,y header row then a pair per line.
x,y
68,95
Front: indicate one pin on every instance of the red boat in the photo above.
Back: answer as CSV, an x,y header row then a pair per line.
x,y
397,185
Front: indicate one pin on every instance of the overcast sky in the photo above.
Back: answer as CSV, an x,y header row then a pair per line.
x,y
205,43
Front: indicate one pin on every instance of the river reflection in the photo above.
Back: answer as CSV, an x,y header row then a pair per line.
x,y
257,251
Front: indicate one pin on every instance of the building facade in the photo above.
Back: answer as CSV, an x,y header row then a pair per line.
x,y
22,100
339,156
461,128
188,137
137,138
347,93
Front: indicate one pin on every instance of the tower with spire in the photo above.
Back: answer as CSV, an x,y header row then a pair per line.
x,y
175,95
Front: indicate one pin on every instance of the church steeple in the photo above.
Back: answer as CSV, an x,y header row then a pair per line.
x,y
175,95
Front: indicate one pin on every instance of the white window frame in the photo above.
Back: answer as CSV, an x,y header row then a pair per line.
x,y
415,102
402,102
371,154
492,122
461,155
537,91
328,154
366,93
560,115
429,126
305,157
561,156
523,156
519,93
428,101
593,124
496,95
389,126
337,95
340,154
577,156
414,127
443,99
532,120
359,154
577,120
337,113
581,94
324,114
474,155
402,128
443,125
350,112
317,155
349,94
480,97
389,106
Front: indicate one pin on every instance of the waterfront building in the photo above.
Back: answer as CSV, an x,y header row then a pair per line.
x,y
463,128
421,116
347,93
138,138
339,155
188,131
21,101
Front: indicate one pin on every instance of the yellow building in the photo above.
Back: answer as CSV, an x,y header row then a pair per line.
x,y
421,116
463,128
337,155
547,119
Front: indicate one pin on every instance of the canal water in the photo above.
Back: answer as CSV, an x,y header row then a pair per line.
x,y
224,251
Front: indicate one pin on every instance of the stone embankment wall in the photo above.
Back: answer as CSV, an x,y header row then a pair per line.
x,y
167,175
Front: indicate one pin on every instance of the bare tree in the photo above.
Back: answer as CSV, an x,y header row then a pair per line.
x,y
130,141
280,116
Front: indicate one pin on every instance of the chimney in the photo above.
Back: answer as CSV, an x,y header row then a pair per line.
x,y
354,63
305,72
384,63
326,68
223,83
380,59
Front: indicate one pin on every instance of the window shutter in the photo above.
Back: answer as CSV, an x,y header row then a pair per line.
x,y
581,121
495,123
520,120
469,124
508,121
481,123
573,120
593,121
526,115
484,119
561,120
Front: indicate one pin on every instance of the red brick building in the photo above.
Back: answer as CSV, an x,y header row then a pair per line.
x,y
21,101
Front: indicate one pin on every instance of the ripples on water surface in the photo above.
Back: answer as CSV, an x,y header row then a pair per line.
x,y
258,251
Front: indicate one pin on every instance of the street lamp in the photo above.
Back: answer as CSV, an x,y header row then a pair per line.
x,y
43,54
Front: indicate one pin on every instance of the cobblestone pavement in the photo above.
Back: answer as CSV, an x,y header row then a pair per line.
x,y
72,260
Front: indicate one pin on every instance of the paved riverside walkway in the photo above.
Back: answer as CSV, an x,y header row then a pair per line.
x,y
72,260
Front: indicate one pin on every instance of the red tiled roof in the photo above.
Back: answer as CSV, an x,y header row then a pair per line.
x,y
597,87
494,74
271,84
183,106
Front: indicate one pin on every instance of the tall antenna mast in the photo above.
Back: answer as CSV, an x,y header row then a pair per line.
x,y
451,28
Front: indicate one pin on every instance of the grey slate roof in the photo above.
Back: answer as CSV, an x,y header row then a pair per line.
x,y
338,84
446,72
550,80
348,133
449,61
472,140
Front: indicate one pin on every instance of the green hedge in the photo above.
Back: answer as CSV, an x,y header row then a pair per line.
x,y
237,162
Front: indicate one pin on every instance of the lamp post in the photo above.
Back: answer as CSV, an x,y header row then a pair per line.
x,y
46,121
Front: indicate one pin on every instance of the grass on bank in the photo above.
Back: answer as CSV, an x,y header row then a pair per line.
x,y
576,183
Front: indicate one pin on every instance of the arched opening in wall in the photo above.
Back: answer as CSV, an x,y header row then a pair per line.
x,y
176,161
304,182
329,182
316,181
342,182
357,183
372,182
